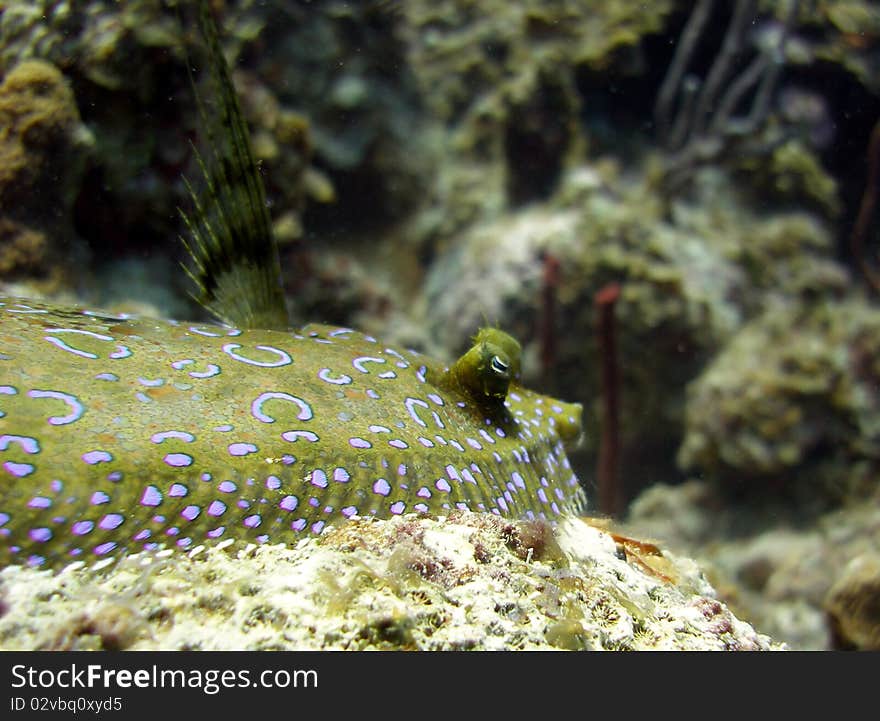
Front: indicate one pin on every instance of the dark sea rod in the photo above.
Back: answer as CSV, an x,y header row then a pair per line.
x,y
121,433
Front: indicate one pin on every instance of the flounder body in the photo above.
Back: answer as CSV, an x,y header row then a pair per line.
x,y
121,434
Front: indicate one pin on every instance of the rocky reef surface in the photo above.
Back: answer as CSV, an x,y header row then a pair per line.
x,y
466,582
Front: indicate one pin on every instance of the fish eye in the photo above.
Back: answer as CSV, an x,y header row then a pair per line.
x,y
499,366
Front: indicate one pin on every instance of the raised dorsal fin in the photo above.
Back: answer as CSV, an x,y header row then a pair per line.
x,y
235,264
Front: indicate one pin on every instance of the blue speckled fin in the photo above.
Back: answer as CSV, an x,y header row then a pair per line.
x,y
234,254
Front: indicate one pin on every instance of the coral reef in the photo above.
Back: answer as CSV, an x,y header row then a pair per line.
x,y
806,576
852,604
791,400
43,148
467,582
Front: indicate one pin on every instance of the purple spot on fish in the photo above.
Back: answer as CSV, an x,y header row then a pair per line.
x,y
111,521
401,469
99,498
397,443
35,560
359,362
289,503
212,371
442,485
426,442
151,382
468,476
40,535
217,532
104,548
114,476
397,508
142,535
381,487
190,513
152,496
455,444
359,443
299,524
178,460
518,480
19,470
410,404
243,504
292,436
173,531
424,492
178,490
318,478
185,542
95,457
225,428
452,473
81,528
273,483
226,487
318,527
217,508
179,435
253,521
39,502
373,394
340,380
420,507
340,475
474,444
241,449
56,486
379,429
28,445
349,511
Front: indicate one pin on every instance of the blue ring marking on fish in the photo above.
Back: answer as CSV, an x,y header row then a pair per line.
x,y
342,379
358,363
29,445
305,410
284,357
76,408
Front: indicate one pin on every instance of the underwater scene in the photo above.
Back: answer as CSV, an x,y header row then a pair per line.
x,y
440,324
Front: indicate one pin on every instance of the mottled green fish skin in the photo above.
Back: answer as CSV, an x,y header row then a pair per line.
x,y
120,434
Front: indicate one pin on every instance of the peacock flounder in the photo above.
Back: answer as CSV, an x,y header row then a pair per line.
x,y
129,433
120,434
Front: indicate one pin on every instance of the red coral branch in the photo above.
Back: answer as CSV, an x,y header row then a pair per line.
x,y
609,448
866,210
